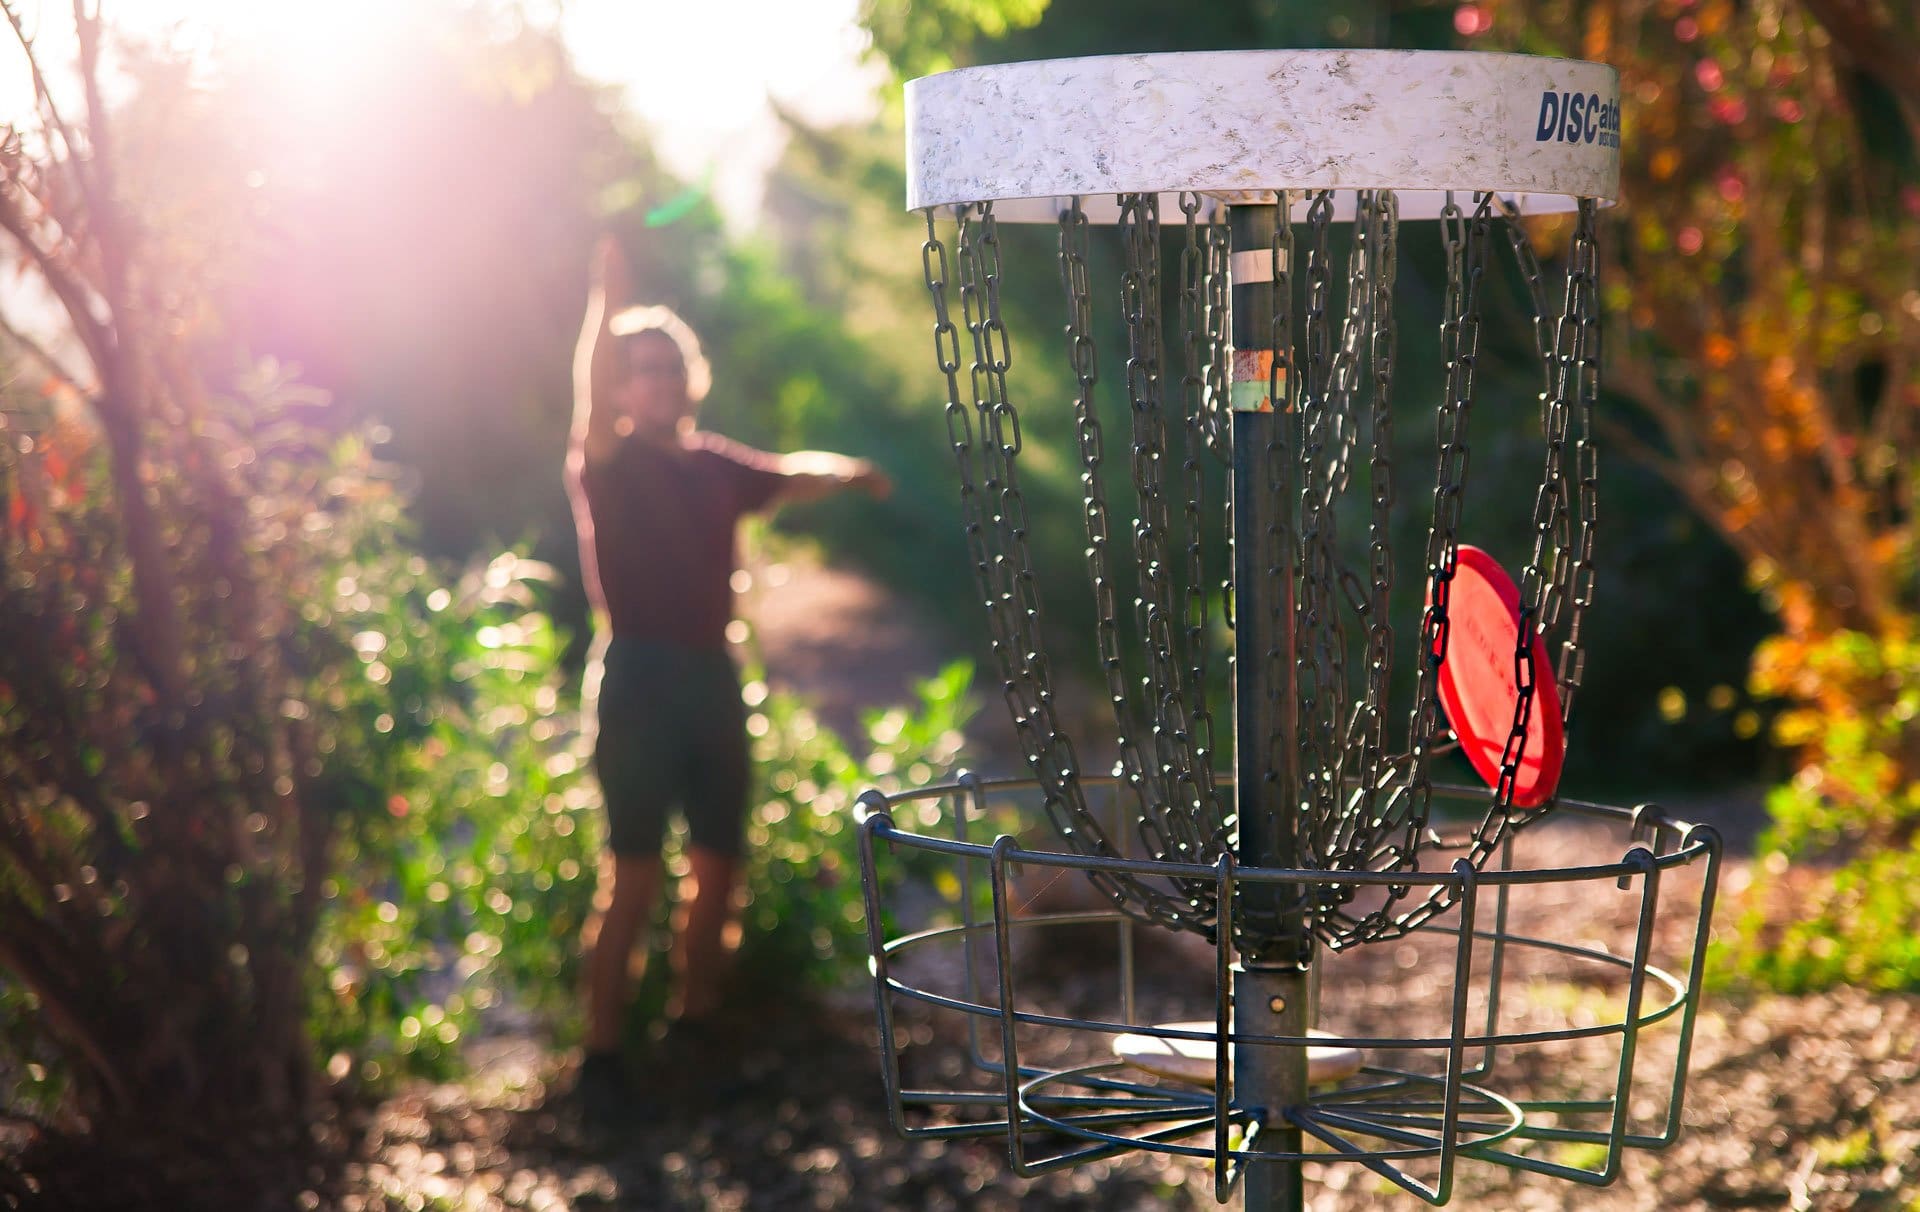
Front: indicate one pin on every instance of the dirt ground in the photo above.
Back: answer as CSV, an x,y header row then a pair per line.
x,y
1792,1102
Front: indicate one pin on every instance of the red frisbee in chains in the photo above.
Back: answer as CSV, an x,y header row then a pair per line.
x,y
1478,689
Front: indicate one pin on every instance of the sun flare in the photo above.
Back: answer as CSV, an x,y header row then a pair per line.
x,y
310,50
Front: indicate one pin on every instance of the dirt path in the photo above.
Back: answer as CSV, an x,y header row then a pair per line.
x,y
838,638
1793,1103
1803,1103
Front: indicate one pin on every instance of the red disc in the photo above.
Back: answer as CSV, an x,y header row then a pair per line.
x,y
1478,689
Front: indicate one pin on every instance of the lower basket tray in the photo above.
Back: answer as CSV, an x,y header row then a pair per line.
x,y
1499,1042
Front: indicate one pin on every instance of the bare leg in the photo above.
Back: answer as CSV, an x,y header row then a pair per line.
x,y
610,939
702,952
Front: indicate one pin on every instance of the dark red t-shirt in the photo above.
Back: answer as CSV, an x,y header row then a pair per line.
x,y
657,538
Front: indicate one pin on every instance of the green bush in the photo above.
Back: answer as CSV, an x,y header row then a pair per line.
x,y
1836,899
466,871
805,914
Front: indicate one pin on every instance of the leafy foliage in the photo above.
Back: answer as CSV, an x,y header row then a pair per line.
x,y
204,701
1836,903
805,918
835,205
1769,328
1770,321
164,824
919,39
464,872
464,869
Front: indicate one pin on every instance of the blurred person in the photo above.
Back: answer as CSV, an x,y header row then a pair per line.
x,y
655,502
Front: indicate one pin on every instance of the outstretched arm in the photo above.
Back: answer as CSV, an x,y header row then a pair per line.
x,y
809,475
596,360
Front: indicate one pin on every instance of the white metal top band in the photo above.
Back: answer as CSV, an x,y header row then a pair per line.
x,y
1241,126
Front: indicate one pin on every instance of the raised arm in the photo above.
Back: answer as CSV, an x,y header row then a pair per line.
x,y
809,475
596,359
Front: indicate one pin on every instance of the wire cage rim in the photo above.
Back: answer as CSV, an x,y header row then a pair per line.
x,y
1690,840
1378,1120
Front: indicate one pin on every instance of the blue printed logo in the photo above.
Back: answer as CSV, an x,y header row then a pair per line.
x,y
1578,118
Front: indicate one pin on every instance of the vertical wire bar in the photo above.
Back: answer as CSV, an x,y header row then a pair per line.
x,y
1224,1171
1497,962
1696,971
1126,923
877,958
1469,879
1641,857
1003,956
971,792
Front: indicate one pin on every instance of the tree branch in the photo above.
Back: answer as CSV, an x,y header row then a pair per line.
x,y
39,354
55,1002
156,623
1878,47
42,93
65,284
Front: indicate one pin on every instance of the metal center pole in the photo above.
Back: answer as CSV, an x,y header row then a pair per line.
x,y
1270,989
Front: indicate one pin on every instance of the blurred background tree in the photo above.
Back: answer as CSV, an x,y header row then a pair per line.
x,y
164,834
284,371
1765,317
287,799
1665,683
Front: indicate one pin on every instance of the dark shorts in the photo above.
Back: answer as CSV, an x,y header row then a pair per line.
x,y
673,734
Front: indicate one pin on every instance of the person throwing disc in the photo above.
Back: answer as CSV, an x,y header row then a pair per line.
x,y
656,501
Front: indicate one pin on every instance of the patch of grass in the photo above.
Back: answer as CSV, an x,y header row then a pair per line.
x,y
1855,1151
1582,1155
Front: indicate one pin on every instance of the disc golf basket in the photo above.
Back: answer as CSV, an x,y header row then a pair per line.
x,y
1255,202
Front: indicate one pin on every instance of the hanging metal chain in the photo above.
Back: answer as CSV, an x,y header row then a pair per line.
x,y
1005,571
1583,360
1153,606
1366,364
1218,336
1567,346
1359,804
996,529
1399,822
1460,338
1187,778
1320,642
1379,652
1579,363
1194,265
1083,357
1576,374
1219,408
1547,579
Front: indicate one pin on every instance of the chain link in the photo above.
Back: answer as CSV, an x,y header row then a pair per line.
x,y
1582,363
1568,352
1320,638
1363,802
997,539
1379,653
1184,781
1196,344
